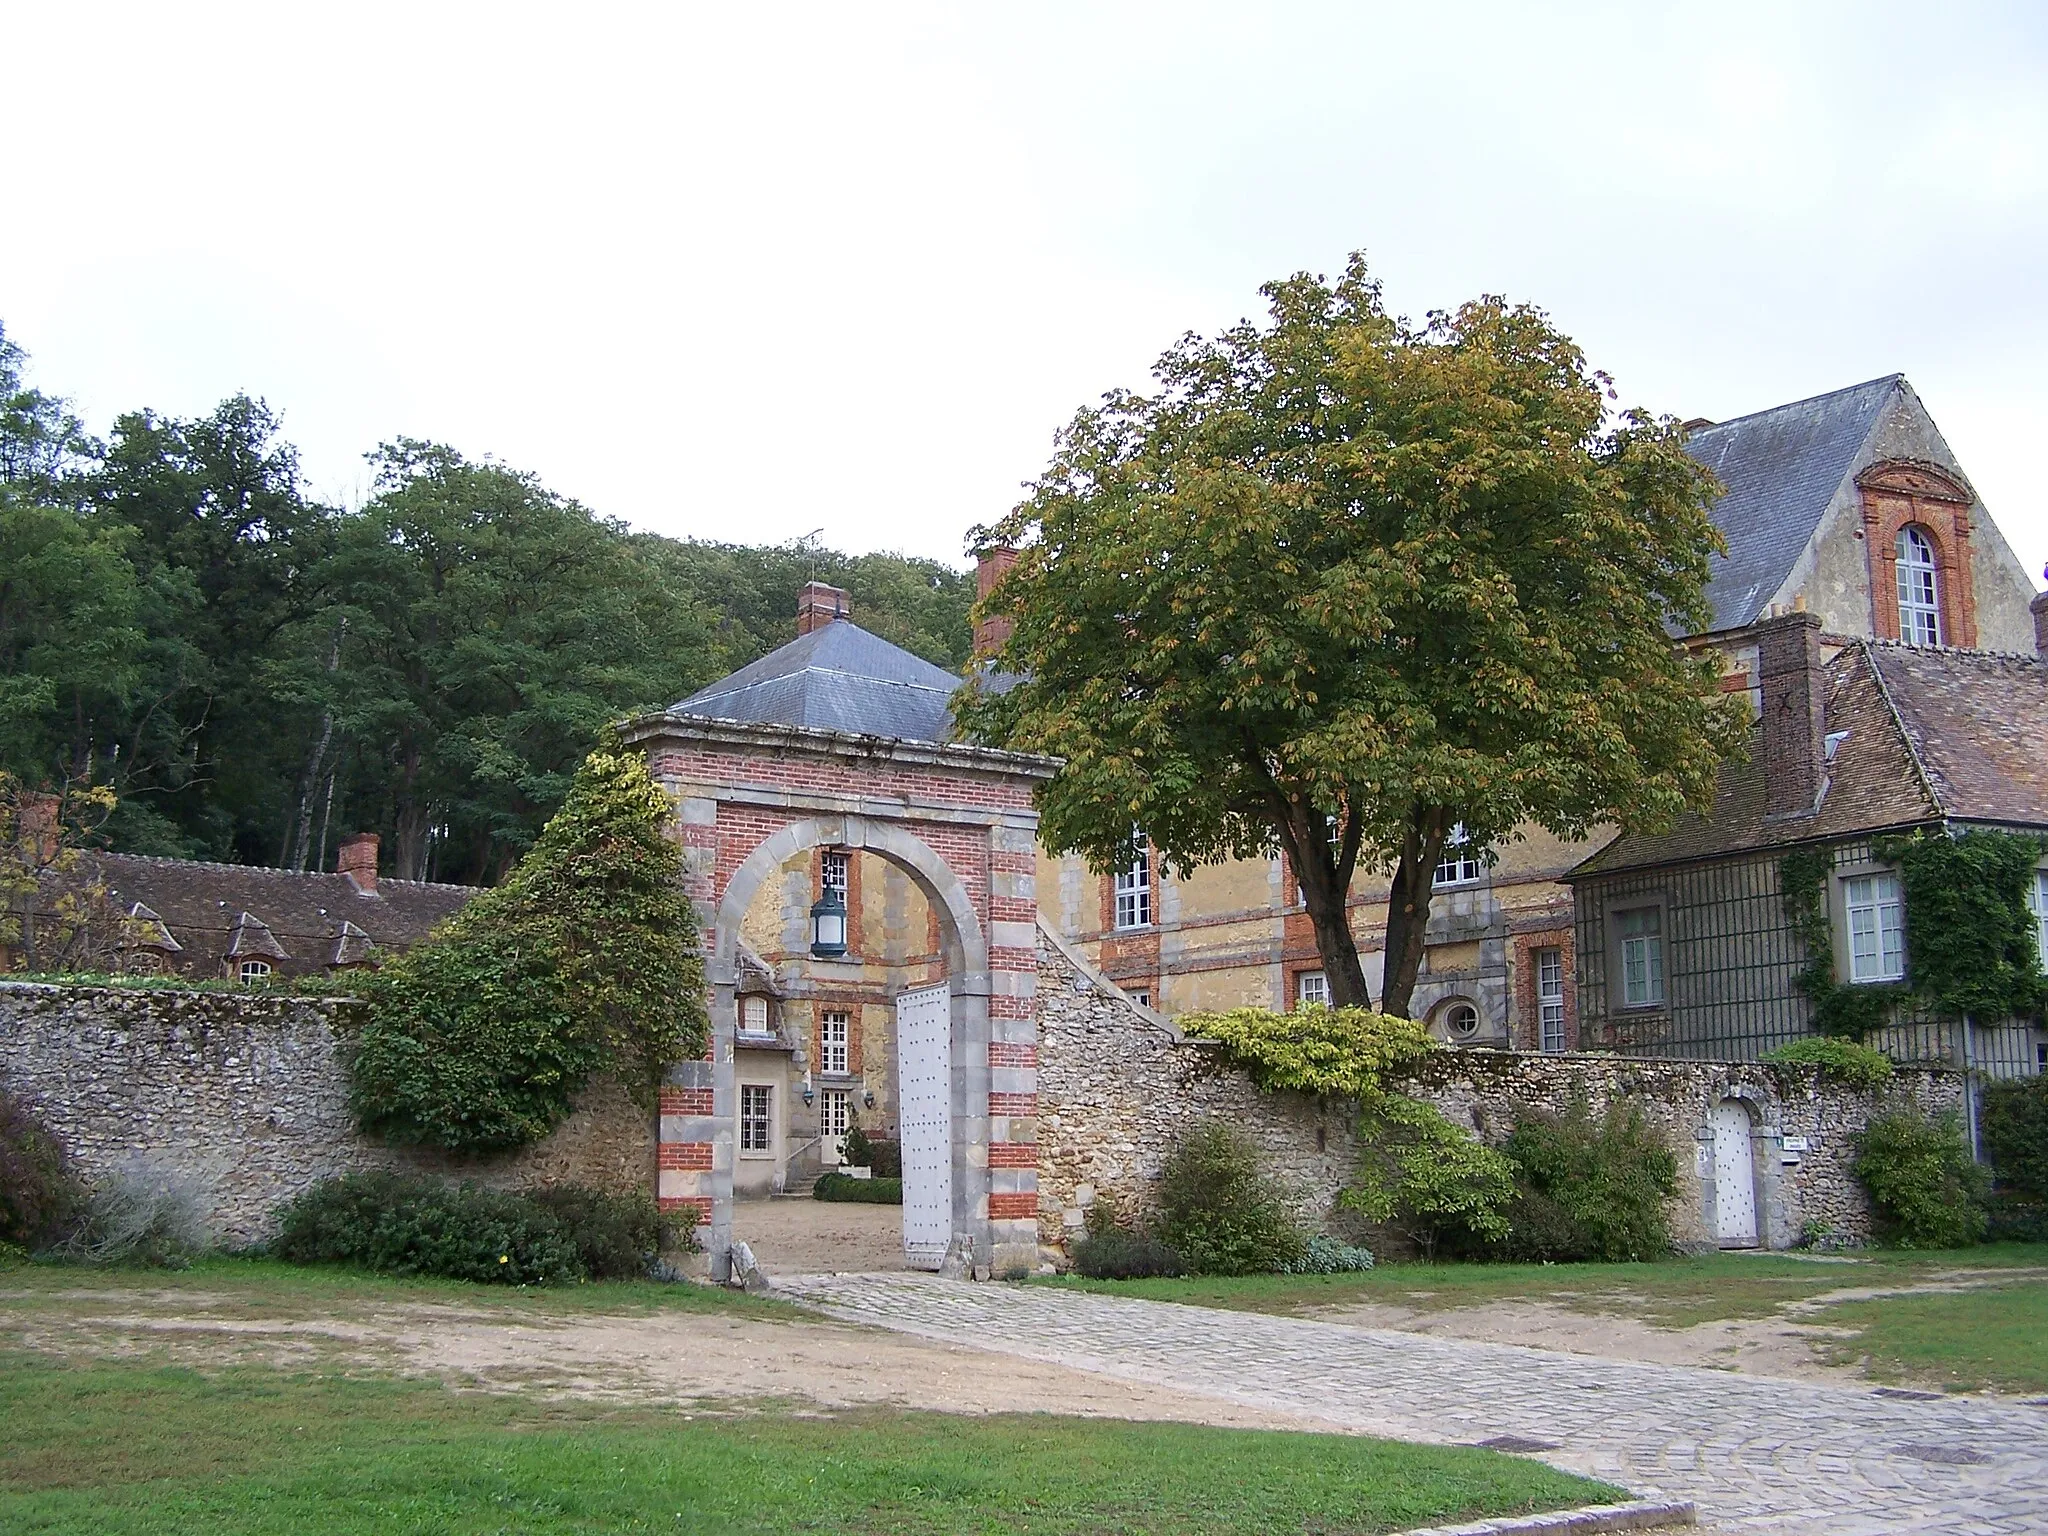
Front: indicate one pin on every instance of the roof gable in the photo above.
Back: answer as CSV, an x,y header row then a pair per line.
x,y
1782,469
1977,722
836,678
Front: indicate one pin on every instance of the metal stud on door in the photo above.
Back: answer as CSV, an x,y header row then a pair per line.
x,y
1734,1177
924,1067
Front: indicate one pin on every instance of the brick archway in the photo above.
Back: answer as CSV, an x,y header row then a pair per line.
x,y
958,821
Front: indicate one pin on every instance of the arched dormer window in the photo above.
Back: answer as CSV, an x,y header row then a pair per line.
x,y
1919,592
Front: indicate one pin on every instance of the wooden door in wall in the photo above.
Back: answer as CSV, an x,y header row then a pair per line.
x,y
1734,1177
924,1069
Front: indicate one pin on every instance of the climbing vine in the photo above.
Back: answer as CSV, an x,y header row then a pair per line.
x,y
1342,1051
1969,936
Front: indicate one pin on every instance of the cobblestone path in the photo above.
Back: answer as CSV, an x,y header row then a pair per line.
x,y
1759,1455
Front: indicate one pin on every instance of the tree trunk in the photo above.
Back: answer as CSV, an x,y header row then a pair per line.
x,y
1324,875
1408,906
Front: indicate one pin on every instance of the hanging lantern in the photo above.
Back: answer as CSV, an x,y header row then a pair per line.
x,y
828,926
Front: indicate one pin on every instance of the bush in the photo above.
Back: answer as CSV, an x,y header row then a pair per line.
x,y
39,1194
1114,1254
1427,1179
1837,1060
138,1218
2014,1131
1345,1051
1217,1212
1327,1255
1927,1191
865,1151
396,1224
848,1191
1587,1189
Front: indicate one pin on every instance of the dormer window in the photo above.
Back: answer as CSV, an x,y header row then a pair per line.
x,y
1919,592
251,972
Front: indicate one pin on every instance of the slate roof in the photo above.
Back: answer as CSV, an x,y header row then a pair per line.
x,y
207,908
1781,468
837,678
1932,735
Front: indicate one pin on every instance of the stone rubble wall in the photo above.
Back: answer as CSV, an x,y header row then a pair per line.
x,y
1119,1086
242,1098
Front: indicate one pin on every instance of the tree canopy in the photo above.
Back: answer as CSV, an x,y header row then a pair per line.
x,y
1356,588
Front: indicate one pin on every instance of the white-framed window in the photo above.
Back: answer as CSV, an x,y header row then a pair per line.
x,y
2040,906
1642,957
1919,596
835,1112
835,1032
1142,996
1461,1021
1134,886
1550,1000
248,972
1877,928
1311,989
757,1119
1460,864
754,1014
832,872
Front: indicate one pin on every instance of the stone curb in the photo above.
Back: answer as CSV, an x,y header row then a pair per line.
x,y
1637,1515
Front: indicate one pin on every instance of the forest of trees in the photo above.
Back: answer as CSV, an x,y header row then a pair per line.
x,y
255,674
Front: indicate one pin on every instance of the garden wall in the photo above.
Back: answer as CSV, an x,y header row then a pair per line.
x,y
242,1097
1118,1086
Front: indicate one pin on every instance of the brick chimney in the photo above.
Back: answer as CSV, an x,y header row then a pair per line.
x,y
818,605
2040,606
990,567
1794,712
357,858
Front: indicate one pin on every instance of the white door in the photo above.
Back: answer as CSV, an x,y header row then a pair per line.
x,y
924,1074
835,1119
1734,1177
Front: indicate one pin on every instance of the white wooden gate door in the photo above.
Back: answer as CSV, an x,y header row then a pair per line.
x,y
924,1080
1734,1177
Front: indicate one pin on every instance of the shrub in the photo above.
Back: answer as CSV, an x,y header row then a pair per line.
x,y
2014,1130
1216,1210
1327,1255
865,1151
1114,1254
1428,1179
583,959
1835,1059
616,1237
401,1225
138,1218
1587,1189
847,1191
1313,1050
1927,1191
39,1194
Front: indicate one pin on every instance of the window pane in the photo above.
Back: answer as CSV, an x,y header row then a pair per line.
x,y
1312,987
2041,913
1550,973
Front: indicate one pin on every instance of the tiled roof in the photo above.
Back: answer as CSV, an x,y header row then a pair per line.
x,y
1781,468
306,915
836,678
1978,723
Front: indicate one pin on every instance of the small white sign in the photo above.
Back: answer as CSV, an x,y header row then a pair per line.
x,y
1795,1144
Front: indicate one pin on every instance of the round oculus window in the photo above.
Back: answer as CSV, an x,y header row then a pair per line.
x,y
1462,1022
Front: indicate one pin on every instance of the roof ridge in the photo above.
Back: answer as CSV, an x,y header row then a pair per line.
x,y
167,860
1786,405
1953,650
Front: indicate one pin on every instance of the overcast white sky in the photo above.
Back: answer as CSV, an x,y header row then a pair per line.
x,y
742,272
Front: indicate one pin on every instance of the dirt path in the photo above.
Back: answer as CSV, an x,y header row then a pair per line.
x,y
809,1237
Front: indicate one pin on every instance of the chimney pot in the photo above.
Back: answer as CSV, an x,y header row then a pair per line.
x,y
990,567
1794,712
357,858
818,605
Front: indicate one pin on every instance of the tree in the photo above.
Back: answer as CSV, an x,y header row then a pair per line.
x,y
1357,588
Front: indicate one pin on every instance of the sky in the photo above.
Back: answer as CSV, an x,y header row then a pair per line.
x,y
751,272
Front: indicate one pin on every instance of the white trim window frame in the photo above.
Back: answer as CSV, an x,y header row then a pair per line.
x,y
835,1112
1640,946
1919,589
249,972
1460,862
757,1120
1133,885
835,1042
832,872
1550,1001
1311,989
1876,914
2038,903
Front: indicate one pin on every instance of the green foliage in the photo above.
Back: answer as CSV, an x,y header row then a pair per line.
x,y
1217,1210
584,959
1971,948
1835,1060
2014,1130
39,1194
1317,1050
1111,1253
1590,1189
1339,566
398,1225
136,1219
1841,1010
844,1190
1327,1255
1927,1190
864,1151
1428,1179
616,1237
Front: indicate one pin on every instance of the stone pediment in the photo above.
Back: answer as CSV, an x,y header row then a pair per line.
x,y
1916,478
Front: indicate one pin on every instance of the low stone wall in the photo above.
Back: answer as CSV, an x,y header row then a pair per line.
x,y
242,1097
1118,1087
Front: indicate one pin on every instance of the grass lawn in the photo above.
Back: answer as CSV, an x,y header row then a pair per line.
x,y
1995,1337
118,1448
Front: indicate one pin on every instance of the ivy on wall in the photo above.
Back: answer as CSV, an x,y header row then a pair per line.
x,y
1969,936
1340,1051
